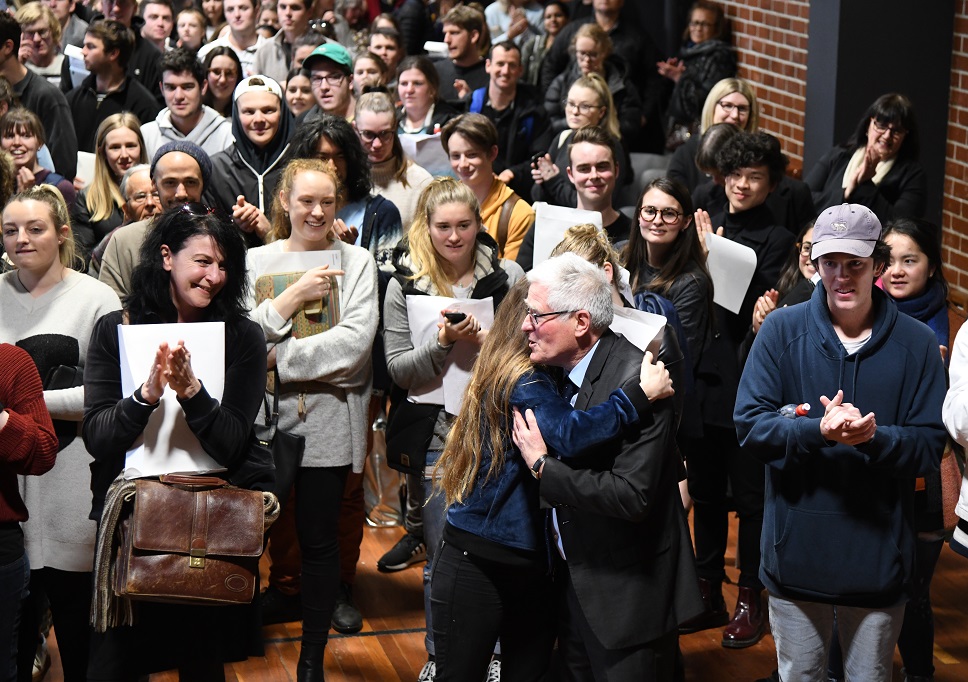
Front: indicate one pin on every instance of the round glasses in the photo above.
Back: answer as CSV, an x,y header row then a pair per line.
x,y
668,216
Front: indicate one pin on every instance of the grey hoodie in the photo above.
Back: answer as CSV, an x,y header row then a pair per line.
x,y
213,133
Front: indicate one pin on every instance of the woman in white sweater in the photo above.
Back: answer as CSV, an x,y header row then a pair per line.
x,y
49,310
324,380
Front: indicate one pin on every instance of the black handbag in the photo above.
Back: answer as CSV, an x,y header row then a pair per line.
x,y
287,448
410,429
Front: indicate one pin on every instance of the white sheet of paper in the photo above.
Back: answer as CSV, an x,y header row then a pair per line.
x,y
436,49
77,69
638,326
550,224
294,261
426,151
168,444
423,312
731,267
85,167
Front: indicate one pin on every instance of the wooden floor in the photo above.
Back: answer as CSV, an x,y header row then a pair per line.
x,y
391,646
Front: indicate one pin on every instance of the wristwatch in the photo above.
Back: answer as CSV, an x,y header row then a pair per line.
x,y
536,467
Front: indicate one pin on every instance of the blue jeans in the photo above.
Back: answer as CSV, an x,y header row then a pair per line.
x,y
802,632
14,581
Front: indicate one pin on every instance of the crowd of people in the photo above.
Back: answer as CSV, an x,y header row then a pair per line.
x,y
153,158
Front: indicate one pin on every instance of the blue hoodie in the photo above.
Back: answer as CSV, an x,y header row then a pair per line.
x,y
838,522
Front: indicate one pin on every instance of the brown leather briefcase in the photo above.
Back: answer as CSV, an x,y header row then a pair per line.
x,y
191,540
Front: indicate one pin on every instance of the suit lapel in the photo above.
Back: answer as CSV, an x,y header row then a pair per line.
x,y
595,369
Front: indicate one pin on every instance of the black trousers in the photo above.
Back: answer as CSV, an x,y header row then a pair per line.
x,y
475,601
585,659
717,465
319,491
69,596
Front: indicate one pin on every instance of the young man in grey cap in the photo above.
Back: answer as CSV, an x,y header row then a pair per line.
x,y
180,172
838,531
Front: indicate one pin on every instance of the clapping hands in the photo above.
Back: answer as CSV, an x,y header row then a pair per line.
x,y
172,368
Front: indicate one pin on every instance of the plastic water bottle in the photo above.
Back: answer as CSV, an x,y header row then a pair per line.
x,y
792,411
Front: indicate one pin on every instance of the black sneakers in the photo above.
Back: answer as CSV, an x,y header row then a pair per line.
x,y
409,550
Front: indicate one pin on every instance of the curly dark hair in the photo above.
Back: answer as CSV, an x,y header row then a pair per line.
x,y
753,149
151,283
183,60
305,145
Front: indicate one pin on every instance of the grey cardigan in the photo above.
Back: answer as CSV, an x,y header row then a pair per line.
x,y
334,420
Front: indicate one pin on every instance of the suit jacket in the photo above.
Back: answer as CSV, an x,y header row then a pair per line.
x,y
620,516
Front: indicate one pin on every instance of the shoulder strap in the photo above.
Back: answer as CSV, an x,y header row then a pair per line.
x,y
502,224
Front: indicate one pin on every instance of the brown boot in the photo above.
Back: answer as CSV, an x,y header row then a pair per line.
x,y
746,627
715,615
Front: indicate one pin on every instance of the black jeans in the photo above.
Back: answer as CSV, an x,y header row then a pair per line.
x,y
319,491
69,595
715,464
475,601
13,589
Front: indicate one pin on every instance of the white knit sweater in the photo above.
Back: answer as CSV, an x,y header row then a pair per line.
x,y
58,533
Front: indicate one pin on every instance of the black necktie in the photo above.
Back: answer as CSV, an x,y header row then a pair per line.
x,y
568,390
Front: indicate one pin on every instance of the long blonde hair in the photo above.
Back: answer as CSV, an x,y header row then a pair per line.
x,y
426,261
281,226
503,360
599,86
104,196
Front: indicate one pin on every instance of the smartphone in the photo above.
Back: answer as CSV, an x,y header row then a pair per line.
x,y
536,158
455,318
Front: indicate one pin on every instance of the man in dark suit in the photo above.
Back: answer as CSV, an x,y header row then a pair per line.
x,y
624,571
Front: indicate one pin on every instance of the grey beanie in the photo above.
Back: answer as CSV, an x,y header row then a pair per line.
x,y
193,150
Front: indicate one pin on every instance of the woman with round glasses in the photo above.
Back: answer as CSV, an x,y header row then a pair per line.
x,y
394,176
591,51
664,256
878,166
731,100
224,73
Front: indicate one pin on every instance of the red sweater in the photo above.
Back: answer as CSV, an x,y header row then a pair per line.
x,y
28,444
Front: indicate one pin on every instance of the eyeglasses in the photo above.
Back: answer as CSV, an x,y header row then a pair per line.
x,y
537,317
591,56
701,24
742,109
227,74
141,197
804,248
333,79
369,135
669,216
40,34
582,108
890,130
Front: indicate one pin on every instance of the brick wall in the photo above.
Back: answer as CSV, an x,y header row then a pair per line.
x,y
770,37
955,209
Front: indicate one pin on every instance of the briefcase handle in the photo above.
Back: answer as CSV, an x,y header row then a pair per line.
x,y
186,481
